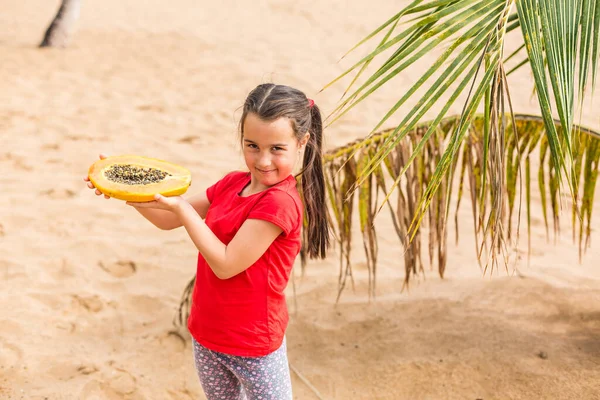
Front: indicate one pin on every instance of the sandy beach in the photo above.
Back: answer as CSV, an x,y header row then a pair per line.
x,y
89,289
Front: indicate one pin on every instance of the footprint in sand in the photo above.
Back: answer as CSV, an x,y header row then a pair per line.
x,y
183,394
151,107
116,384
60,269
10,270
172,342
190,140
122,381
18,161
11,356
22,165
51,146
94,390
90,303
77,138
59,194
65,372
86,369
66,326
120,268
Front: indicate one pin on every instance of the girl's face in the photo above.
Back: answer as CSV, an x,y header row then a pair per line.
x,y
271,150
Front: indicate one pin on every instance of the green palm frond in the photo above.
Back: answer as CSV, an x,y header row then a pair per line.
x,y
560,44
344,162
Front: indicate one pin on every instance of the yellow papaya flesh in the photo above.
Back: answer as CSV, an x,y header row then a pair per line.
x,y
137,178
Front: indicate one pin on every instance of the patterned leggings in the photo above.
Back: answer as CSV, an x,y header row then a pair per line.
x,y
227,377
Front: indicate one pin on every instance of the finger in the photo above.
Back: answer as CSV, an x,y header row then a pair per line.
x,y
87,178
91,185
106,197
102,156
98,192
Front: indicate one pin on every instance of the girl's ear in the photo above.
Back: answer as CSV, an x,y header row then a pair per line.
x,y
304,139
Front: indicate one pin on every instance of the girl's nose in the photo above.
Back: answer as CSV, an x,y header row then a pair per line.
x,y
264,160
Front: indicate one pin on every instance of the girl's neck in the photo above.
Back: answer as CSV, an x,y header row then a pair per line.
x,y
254,187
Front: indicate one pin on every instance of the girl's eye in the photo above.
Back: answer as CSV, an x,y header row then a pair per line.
x,y
252,146
278,149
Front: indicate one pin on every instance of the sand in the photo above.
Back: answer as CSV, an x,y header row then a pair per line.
x,y
88,288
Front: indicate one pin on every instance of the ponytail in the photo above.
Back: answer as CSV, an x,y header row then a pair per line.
x,y
313,190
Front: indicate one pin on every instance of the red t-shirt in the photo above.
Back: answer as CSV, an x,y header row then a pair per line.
x,y
246,315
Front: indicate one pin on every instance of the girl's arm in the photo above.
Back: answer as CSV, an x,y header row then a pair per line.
x,y
250,242
168,220
162,219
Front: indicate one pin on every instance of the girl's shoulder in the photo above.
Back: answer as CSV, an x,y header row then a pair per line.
x,y
287,188
284,194
281,205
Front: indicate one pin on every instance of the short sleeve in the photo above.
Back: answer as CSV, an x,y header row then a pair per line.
x,y
279,208
217,188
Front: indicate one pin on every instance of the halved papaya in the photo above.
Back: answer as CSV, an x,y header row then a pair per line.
x,y
137,178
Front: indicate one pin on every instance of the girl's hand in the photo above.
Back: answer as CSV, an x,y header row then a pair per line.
x,y
91,185
161,202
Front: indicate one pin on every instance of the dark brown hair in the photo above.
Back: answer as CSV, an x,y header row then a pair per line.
x,y
270,102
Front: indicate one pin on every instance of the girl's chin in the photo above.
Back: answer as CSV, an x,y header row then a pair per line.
x,y
268,182
267,179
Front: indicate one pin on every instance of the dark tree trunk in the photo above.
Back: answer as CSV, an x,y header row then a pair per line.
x,y
57,34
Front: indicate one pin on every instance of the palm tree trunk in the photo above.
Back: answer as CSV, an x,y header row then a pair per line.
x,y
57,34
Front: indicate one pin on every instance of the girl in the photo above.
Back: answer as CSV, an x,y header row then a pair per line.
x,y
247,229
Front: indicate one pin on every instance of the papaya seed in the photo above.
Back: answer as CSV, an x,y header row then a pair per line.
x,y
132,175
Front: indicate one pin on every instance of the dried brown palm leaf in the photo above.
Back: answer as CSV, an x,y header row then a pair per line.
x,y
510,150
